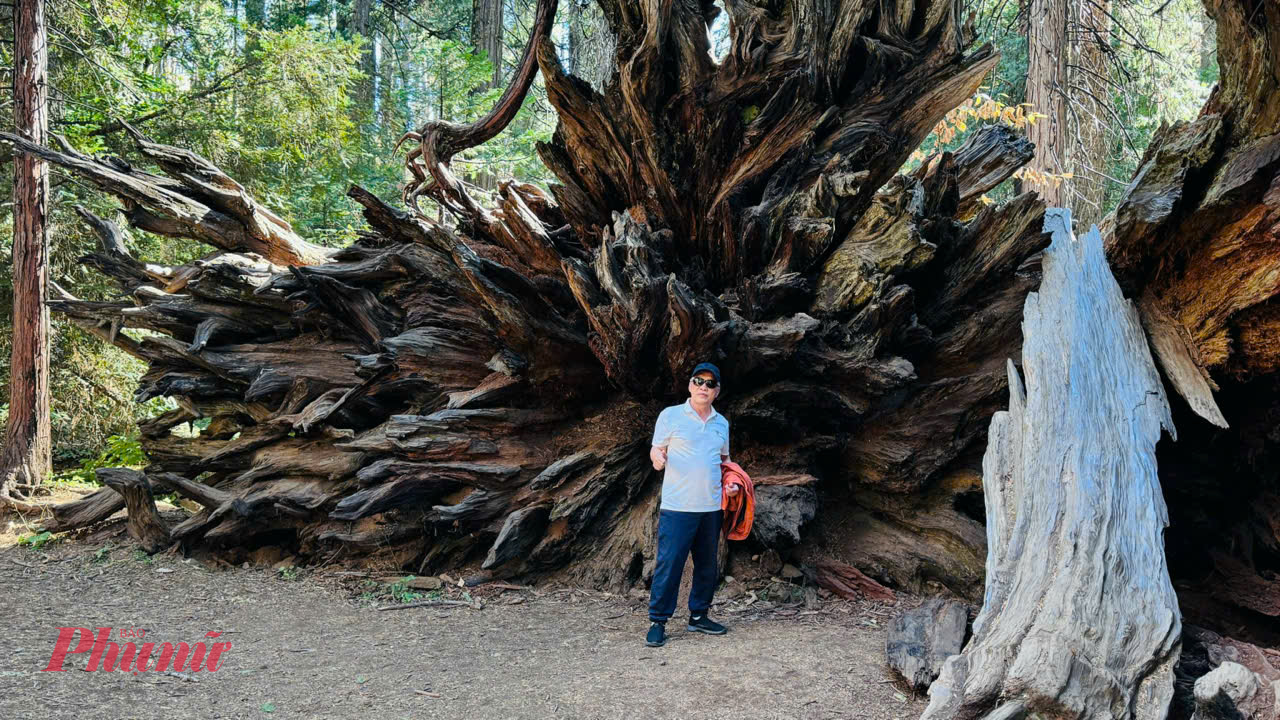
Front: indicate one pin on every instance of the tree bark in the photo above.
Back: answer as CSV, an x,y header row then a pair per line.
x,y
488,34
361,11
1089,119
26,457
1047,52
1075,515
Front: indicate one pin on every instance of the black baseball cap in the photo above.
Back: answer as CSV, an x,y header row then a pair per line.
x,y
707,367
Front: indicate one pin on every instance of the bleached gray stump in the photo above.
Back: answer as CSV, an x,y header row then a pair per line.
x,y
1079,618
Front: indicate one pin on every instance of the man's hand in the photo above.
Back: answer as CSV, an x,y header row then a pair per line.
x,y
734,489
659,457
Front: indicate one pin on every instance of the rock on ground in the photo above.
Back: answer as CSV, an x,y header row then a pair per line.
x,y
921,639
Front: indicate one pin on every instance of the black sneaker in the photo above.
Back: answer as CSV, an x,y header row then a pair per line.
x,y
657,636
704,624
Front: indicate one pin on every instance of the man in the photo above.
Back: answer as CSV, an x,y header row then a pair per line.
x,y
690,441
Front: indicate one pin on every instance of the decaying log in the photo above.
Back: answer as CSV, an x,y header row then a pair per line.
x,y
1079,616
144,524
84,512
848,582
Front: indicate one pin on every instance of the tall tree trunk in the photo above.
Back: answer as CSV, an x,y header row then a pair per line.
x,y
487,34
1046,92
388,121
26,457
361,12
1089,118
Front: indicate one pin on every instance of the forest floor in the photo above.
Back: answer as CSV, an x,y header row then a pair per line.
x,y
311,643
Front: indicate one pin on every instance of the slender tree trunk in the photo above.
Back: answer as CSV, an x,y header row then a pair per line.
x,y
573,63
1089,120
26,455
488,35
361,11
1046,85
387,109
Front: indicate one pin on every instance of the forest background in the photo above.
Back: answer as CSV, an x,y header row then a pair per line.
x,y
299,99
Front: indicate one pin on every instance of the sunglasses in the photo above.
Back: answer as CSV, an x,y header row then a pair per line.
x,y
708,383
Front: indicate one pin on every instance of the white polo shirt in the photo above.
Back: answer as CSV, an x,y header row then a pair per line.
x,y
694,447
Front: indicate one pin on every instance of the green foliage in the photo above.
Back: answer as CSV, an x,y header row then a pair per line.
x,y
120,451
37,541
103,553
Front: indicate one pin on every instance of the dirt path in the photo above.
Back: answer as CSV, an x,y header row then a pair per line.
x,y
311,647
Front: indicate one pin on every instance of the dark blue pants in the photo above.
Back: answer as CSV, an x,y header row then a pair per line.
x,y
679,534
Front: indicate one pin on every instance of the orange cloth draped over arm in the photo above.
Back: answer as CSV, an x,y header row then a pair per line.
x,y
739,509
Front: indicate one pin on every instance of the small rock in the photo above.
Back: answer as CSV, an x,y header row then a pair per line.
x,y
770,562
285,563
1231,691
733,591
425,583
791,572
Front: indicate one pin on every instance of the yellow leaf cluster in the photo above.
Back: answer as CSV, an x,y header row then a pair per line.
x,y
1038,177
982,107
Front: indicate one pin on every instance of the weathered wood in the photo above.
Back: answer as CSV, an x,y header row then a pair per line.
x,y
781,513
1079,615
200,201
920,640
144,524
86,511
1194,240
849,582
